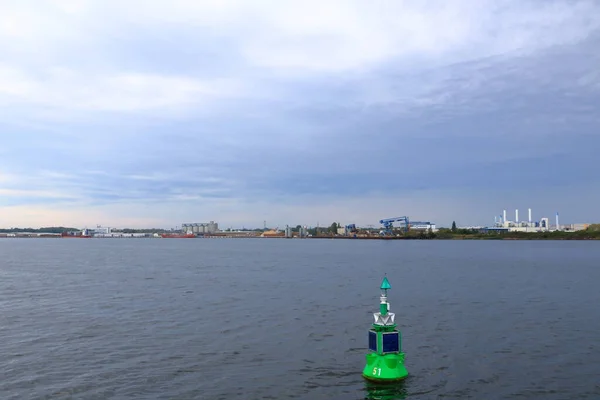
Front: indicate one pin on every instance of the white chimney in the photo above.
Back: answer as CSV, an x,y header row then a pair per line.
x,y
504,216
557,226
530,215
517,215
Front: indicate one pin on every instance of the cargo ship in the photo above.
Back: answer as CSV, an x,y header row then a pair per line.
x,y
177,235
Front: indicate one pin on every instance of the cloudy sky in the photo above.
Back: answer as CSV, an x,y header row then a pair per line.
x,y
147,113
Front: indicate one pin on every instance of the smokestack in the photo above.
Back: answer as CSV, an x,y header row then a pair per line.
x,y
530,215
504,216
557,221
517,215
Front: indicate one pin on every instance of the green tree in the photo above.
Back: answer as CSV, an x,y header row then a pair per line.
x,y
593,228
333,228
430,233
453,226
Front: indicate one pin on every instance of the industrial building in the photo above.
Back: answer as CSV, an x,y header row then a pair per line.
x,y
200,228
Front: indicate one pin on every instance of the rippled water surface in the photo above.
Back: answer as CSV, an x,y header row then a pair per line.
x,y
284,319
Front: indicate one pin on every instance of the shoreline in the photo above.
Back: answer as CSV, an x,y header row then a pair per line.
x,y
457,237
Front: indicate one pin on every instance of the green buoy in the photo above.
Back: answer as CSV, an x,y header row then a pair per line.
x,y
385,361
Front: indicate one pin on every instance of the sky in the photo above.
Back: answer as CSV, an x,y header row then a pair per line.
x,y
148,113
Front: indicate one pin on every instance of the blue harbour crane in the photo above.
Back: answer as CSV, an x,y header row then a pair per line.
x,y
388,224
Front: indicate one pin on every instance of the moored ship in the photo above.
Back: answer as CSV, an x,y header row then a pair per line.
x,y
177,235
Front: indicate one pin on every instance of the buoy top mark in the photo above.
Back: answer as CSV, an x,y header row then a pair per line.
x,y
385,284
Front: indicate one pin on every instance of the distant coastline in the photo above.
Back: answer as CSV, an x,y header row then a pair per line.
x,y
591,233
523,236
444,234
458,237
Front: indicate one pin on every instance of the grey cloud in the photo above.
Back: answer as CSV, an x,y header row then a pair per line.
x,y
506,124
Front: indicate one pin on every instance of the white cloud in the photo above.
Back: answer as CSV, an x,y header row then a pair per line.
x,y
32,193
332,36
14,82
66,88
338,36
344,35
7,178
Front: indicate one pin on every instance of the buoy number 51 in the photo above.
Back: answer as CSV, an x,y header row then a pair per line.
x,y
377,371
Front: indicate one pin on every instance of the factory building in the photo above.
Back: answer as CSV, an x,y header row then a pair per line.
x,y
100,230
575,227
423,226
107,232
200,228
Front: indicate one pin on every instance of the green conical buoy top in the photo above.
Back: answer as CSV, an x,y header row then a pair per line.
x,y
385,284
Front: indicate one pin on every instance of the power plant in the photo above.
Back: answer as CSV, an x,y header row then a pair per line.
x,y
503,223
